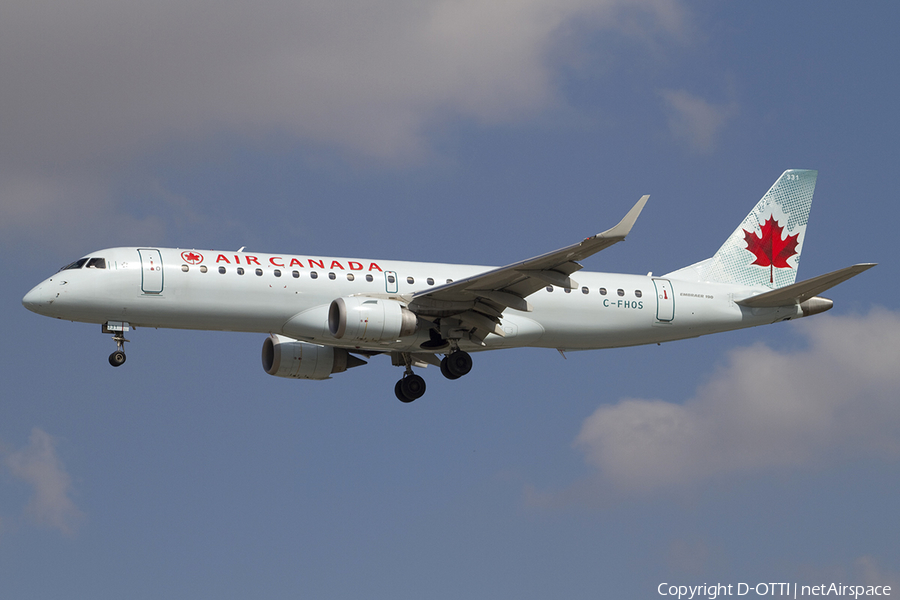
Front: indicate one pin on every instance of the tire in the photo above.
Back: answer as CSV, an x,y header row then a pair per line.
x,y
398,391
459,363
117,358
445,369
412,387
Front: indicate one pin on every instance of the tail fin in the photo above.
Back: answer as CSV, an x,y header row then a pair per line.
x,y
765,248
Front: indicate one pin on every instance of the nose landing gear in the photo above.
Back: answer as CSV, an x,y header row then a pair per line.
x,y
118,329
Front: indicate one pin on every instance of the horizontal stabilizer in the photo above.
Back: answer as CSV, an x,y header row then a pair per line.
x,y
800,292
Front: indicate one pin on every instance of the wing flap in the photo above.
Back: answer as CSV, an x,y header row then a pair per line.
x,y
505,299
477,320
553,277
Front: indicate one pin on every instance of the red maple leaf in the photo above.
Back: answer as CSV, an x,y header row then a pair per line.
x,y
769,249
191,257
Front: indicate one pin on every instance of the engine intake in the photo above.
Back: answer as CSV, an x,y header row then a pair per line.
x,y
286,357
363,319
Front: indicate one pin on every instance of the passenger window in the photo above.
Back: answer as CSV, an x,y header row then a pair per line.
x,y
332,276
585,290
620,292
277,272
295,274
350,277
449,281
602,291
259,272
549,288
75,265
638,293
222,270
203,269
410,280
185,268
568,290
369,277
240,270
97,263
391,279
313,275
430,281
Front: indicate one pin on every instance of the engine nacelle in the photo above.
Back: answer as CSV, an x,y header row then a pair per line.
x,y
286,357
363,319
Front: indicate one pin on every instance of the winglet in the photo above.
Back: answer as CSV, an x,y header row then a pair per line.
x,y
624,227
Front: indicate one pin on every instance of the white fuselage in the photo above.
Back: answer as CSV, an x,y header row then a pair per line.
x,y
290,295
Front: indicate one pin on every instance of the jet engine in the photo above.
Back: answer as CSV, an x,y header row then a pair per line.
x,y
286,357
364,319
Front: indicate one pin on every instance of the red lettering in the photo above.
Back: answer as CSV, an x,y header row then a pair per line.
x,y
373,266
237,259
316,263
221,258
251,259
335,263
272,260
296,263
355,266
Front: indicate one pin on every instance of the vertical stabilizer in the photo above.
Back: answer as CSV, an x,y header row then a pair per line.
x,y
765,248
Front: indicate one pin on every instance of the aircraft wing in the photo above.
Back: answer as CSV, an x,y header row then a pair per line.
x,y
481,299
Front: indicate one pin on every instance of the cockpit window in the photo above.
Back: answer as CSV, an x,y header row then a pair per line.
x,y
96,263
75,265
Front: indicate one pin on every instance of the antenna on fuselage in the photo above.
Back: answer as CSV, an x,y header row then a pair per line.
x,y
242,248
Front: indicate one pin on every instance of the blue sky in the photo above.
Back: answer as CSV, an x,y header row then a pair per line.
x,y
471,132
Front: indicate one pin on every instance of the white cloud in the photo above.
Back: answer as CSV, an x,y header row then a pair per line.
x,y
91,86
95,79
764,410
38,465
695,120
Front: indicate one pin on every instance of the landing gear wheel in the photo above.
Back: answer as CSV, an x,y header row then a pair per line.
x,y
458,364
117,358
410,388
445,369
398,391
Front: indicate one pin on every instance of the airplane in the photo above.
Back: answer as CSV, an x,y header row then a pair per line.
x,y
324,315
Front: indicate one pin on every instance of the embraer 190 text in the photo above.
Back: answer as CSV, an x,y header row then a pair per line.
x,y
325,315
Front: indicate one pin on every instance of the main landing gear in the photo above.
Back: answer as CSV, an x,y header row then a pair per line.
x,y
412,386
456,364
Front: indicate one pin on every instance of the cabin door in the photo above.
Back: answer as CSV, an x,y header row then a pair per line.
x,y
151,271
665,300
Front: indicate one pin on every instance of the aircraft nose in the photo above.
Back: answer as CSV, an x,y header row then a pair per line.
x,y
37,299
